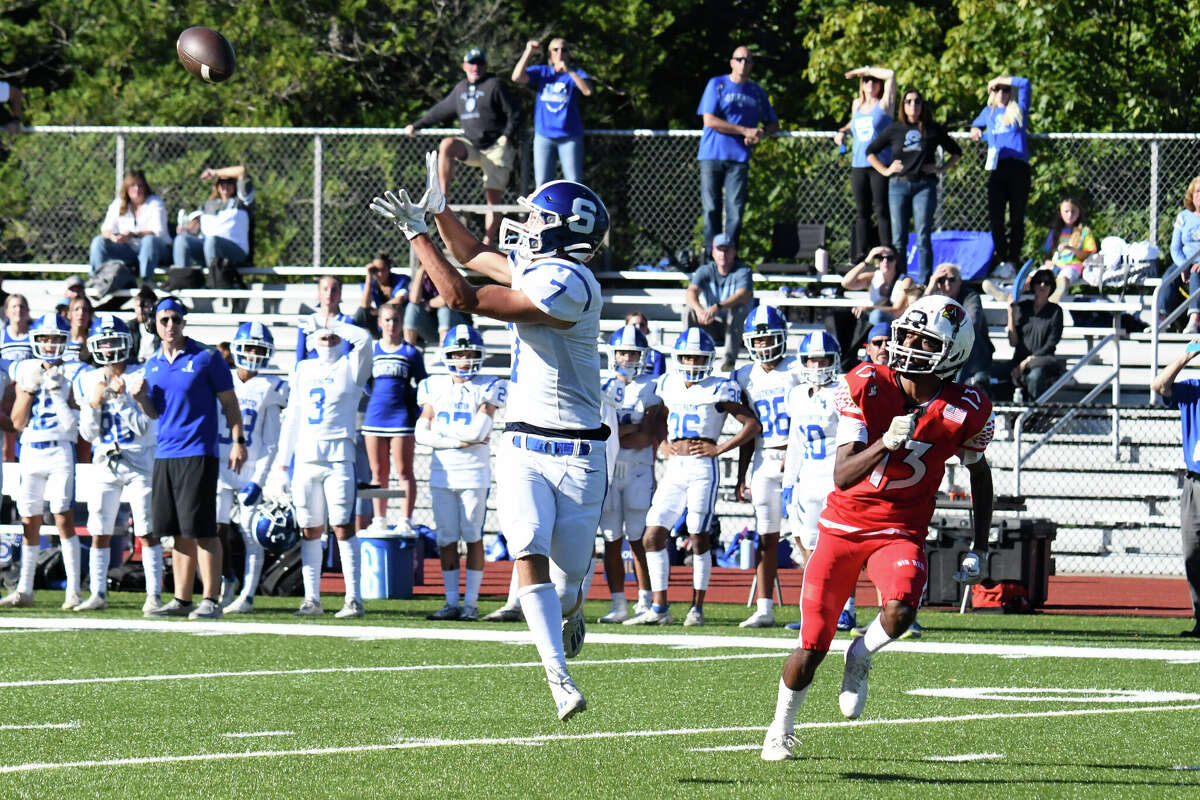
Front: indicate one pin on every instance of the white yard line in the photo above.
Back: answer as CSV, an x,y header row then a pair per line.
x,y
41,726
257,734
423,744
966,757
520,636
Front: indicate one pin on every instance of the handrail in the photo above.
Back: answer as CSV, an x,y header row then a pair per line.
x,y
1164,286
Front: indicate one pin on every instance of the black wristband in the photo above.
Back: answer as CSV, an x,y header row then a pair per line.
x,y
240,440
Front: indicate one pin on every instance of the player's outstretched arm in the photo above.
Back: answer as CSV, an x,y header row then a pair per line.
x,y
982,498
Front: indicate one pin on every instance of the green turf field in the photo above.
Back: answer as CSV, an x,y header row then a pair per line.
x,y
1078,707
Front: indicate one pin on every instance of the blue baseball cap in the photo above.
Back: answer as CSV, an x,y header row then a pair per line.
x,y
879,329
722,240
475,56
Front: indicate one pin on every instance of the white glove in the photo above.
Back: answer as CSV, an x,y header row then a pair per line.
x,y
308,326
969,570
53,379
900,431
406,215
31,382
434,200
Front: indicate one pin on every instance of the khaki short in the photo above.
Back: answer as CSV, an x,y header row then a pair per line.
x,y
496,161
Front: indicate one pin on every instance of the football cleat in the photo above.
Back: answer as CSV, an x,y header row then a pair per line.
x,y
96,602
573,631
71,601
651,617
759,619
18,600
504,614
351,609
847,620
853,697
793,626
915,631
615,615
694,618
174,608
309,608
445,612
470,614
208,609
778,746
568,700
241,605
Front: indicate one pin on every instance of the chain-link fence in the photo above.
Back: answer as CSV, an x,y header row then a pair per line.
x,y
314,186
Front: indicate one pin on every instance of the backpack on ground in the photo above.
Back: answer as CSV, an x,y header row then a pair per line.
x,y
110,277
127,577
282,578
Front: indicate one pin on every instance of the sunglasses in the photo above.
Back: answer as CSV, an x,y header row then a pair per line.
x,y
170,319
878,342
912,101
1043,283
947,279
742,58
886,258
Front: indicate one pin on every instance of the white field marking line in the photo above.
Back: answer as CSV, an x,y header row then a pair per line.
x,y
966,757
41,726
514,637
419,744
190,676
256,734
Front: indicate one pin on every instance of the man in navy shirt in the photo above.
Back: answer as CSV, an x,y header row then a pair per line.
x,y
1185,395
733,108
182,384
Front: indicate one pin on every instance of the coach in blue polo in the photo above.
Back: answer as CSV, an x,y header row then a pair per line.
x,y
1185,395
182,385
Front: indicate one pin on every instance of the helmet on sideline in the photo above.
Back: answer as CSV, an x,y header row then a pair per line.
x,y
458,342
274,525
628,340
109,340
48,336
252,346
694,342
819,344
765,322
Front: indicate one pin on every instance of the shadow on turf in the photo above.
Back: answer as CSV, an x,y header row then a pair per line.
x,y
993,780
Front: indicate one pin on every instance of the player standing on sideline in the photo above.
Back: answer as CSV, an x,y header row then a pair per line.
x,y
46,415
899,425
624,512
551,467
765,385
808,463
697,402
262,399
456,421
122,438
319,429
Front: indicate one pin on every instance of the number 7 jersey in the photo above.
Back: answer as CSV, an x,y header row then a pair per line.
x,y
899,494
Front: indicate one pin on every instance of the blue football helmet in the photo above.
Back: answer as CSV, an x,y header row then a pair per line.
x,y
48,336
274,525
819,344
109,340
252,346
565,218
627,349
694,342
765,334
462,351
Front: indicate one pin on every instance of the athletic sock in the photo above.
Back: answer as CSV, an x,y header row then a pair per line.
x,y
29,559
310,567
513,601
543,615
474,581
849,607
645,597
351,551
71,555
619,603
787,703
658,564
766,605
152,562
876,638
254,564
450,581
98,569
701,570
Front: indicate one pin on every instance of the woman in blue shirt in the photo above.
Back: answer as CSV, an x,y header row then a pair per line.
x,y
870,113
557,125
1003,124
1185,244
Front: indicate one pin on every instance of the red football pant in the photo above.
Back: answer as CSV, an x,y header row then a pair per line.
x,y
895,564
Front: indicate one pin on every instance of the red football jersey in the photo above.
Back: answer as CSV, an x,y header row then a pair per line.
x,y
899,494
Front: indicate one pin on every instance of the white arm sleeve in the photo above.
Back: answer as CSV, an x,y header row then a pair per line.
x,y
478,429
269,429
131,415
429,438
89,422
360,352
288,426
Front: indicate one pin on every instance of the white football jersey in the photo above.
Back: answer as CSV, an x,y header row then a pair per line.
x,y
692,410
812,444
631,401
768,392
555,378
119,420
51,419
321,417
466,467
262,400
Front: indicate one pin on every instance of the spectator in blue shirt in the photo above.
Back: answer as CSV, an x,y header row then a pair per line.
x,y
718,298
1185,395
1185,245
737,115
381,286
180,387
870,113
1003,124
557,125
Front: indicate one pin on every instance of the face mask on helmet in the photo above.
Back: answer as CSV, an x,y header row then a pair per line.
x,y
565,218
462,363
933,336
110,347
252,354
699,368
765,347
823,372
628,362
48,345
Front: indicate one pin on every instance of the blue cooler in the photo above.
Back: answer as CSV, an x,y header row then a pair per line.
x,y
387,567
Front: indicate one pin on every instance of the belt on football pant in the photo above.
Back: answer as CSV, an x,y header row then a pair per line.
x,y
43,445
552,447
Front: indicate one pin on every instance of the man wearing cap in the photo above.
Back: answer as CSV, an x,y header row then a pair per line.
x,y
490,120
732,107
72,288
947,280
1185,396
719,295
877,339
180,386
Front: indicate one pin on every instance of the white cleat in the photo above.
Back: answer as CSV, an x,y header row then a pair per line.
x,y
97,602
568,700
18,600
615,615
153,603
640,608
778,746
694,618
351,609
309,608
853,698
71,601
241,605
573,631
759,619
651,617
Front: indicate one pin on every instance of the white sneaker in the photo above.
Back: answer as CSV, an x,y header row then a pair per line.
x,y
207,609
241,605
504,614
229,591
759,619
573,631
96,602
651,617
351,609
694,618
71,601
446,612
778,746
309,608
568,700
853,698
18,600
615,614
153,603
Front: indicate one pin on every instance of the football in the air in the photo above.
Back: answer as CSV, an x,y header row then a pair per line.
x,y
206,54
